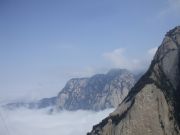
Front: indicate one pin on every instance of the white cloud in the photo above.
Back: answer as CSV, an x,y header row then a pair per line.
x,y
119,58
38,122
152,51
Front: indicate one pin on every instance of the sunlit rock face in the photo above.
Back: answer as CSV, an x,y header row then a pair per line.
x,y
98,92
153,105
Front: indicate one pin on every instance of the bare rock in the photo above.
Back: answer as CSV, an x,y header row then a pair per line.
x,y
98,92
153,105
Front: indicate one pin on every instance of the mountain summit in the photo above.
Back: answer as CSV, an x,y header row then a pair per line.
x,y
153,105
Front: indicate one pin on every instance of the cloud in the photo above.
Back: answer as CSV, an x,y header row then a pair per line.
x,y
38,122
119,58
152,51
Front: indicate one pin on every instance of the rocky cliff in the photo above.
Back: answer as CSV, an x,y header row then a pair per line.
x,y
153,105
98,92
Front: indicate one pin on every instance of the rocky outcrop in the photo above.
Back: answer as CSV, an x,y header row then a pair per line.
x,y
99,92
152,107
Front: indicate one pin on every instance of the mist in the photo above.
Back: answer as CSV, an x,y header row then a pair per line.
x,y
40,122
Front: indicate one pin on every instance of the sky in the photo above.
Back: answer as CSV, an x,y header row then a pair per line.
x,y
43,43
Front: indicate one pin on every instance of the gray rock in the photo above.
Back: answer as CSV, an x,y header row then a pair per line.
x,y
98,92
152,107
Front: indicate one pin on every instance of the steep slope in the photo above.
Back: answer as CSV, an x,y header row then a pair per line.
x,y
153,105
96,93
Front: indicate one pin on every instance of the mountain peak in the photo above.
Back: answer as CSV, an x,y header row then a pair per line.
x,y
174,31
153,104
170,42
98,92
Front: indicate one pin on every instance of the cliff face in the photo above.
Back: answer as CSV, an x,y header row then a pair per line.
x,y
96,93
153,105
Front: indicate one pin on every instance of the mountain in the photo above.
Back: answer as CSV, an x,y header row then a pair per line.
x,y
43,103
153,105
98,92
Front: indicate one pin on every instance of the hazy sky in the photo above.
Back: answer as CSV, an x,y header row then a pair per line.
x,y
43,43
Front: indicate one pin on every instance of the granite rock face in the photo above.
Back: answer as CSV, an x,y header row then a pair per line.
x,y
98,92
152,107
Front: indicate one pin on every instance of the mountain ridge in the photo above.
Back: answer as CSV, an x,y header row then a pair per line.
x,y
96,92
118,80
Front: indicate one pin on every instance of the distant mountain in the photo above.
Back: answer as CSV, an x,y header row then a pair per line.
x,y
152,107
98,92
43,103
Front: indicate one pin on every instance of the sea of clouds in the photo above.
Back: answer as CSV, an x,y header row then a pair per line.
x,y
40,122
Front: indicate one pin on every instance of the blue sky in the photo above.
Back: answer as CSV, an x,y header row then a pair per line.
x,y
43,43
